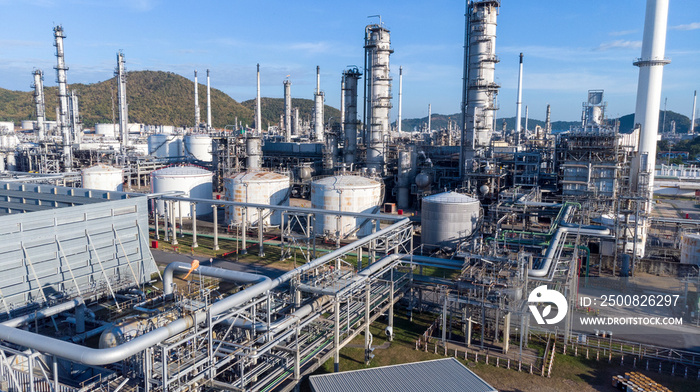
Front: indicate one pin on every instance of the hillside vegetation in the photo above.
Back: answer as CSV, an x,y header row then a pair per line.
x,y
272,108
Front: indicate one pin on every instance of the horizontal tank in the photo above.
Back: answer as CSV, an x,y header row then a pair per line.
x,y
103,177
193,181
448,218
164,146
345,193
107,130
690,249
256,187
198,146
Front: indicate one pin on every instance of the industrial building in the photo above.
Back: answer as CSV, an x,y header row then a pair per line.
x,y
485,216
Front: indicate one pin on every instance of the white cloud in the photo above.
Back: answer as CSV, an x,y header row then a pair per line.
x,y
620,44
621,33
686,27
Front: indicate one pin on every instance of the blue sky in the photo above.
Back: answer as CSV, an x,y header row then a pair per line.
x,y
569,46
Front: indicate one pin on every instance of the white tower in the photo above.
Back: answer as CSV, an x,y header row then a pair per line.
x,y
197,119
398,121
287,110
208,102
40,103
318,108
479,90
651,67
123,108
62,79
692,115
258,120
377,93
519,102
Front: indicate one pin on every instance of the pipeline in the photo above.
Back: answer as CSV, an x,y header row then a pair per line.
x,y
554,244
92,356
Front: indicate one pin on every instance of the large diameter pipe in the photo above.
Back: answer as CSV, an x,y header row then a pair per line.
x,y
92,356
519,102
44,313
220,273
554,243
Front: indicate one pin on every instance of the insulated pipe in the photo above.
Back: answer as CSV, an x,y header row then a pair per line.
x,y
360,278
228,275
557,237
43,313
295,316
92,356
519,102
208,102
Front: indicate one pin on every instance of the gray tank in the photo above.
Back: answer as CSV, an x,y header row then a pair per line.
x,y
448,218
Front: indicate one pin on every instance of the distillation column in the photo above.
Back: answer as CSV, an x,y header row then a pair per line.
x,y
208,102
479,89
287,110
62,79
75,117
318,108
351,77
121,99
377,93
40,103
196,102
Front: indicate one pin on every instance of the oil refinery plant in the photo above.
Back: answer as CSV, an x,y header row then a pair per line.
x,y
362,212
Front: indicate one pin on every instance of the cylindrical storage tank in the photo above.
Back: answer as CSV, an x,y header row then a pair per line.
x,y
2,162
690,249
253,149
447,218
167,129
134,128
28,124
11,161
103,177
256,187
198,146
106,130
345,193
164,146
193,181
7,126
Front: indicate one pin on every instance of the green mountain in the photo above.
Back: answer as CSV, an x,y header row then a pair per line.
x,y
682,122
154,97
272,108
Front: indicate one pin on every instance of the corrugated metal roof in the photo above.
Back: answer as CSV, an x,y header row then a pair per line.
x,y
440,375
450,197
181,171
346,182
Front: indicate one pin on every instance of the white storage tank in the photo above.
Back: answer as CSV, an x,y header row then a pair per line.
x,y
690,249
198,146
103,177
193,181
134,128
258,187
164,146
27,124
447,218
345,193
107,130
7,126
167,129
